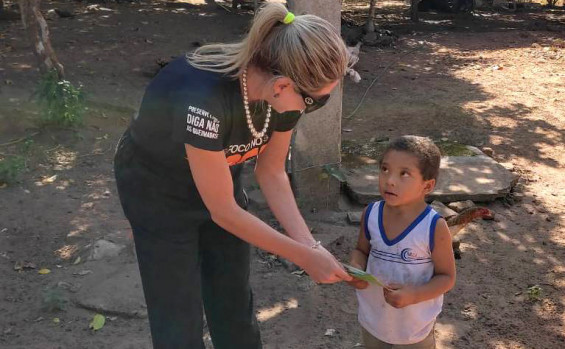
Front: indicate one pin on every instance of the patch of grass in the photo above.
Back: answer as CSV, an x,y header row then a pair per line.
x,y
360,154
62,103
448,148
10,169
534,293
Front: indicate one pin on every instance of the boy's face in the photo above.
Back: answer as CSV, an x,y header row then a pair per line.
x,y
400,179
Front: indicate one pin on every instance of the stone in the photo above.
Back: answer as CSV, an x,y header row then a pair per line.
x,y
508,165
476,178
443,210
354,218
117,291
103,249
288,265
256,200
459,206
488,151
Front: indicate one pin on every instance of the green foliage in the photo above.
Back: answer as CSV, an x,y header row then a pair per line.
x,y
62,103
11,168
54,299
534,293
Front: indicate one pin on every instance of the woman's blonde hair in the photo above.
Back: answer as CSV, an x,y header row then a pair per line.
x,y
309,50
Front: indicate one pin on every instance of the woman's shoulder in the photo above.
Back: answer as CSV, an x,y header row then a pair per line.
x,y
180,74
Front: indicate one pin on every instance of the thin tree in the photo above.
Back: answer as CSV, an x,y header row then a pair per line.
x,y
38,34
370,24
414,10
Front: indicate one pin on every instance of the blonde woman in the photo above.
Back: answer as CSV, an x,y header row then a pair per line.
x,y
178,174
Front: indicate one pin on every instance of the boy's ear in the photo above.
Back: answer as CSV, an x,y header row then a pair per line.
x,y
429,186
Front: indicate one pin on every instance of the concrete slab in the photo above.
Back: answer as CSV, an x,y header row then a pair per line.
x,y
443,210
116,291
354,218
476,178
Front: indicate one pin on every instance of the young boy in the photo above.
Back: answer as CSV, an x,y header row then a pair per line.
x,y
406,245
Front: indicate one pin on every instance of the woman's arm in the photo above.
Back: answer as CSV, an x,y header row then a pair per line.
x,y
275,186
213,180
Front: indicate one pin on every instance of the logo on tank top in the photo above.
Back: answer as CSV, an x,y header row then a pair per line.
x,y
408,255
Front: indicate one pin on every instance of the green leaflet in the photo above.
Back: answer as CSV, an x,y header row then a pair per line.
x,y
97,322
362,275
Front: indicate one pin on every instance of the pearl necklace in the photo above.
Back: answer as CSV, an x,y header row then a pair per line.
x,y
248,114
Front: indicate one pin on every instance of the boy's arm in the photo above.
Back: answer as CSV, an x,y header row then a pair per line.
x,y
360,254
444,273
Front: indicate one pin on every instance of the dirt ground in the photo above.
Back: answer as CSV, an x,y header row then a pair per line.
x,y
486,79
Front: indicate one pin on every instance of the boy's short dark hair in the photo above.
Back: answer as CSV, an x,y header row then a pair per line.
x,y
423,148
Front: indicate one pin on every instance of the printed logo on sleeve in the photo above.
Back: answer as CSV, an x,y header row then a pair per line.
x,y
201,123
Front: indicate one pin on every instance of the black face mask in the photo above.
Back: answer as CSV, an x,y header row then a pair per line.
x,y
312,103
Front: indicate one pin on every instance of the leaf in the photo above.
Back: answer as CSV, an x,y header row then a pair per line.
x,y
330,332
20,265
56,320
77,261
44,271
97,322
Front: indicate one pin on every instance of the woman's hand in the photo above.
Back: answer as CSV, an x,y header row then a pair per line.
x,y
356,283
323,267
400,296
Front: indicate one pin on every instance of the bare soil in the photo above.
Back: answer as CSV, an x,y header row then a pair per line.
x,y
488,79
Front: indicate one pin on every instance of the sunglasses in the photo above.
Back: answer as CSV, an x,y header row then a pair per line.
x,y
312,103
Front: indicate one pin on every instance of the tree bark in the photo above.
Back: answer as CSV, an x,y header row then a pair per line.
x,y
370,24
414,10
38,34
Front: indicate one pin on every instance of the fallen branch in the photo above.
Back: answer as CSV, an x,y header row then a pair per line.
x,y
19,140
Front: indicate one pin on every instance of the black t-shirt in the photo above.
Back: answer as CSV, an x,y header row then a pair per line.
x,y
183,104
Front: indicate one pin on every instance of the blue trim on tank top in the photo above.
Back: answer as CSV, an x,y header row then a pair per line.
x,y
406,231
433,231
366,219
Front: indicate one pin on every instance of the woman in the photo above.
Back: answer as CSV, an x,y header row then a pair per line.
x,y
178,174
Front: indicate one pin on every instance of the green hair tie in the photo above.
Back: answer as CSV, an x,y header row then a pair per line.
x,y
289,18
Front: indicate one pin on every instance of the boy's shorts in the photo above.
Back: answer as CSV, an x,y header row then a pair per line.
x,y
371,342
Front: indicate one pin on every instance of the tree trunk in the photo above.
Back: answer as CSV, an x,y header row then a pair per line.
x,y
414,10
38,34
370,24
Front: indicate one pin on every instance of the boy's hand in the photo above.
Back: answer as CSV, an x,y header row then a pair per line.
x,y
400,296
358,284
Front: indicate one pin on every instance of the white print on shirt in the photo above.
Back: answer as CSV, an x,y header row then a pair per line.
x,y
238,153
244,148
202,123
